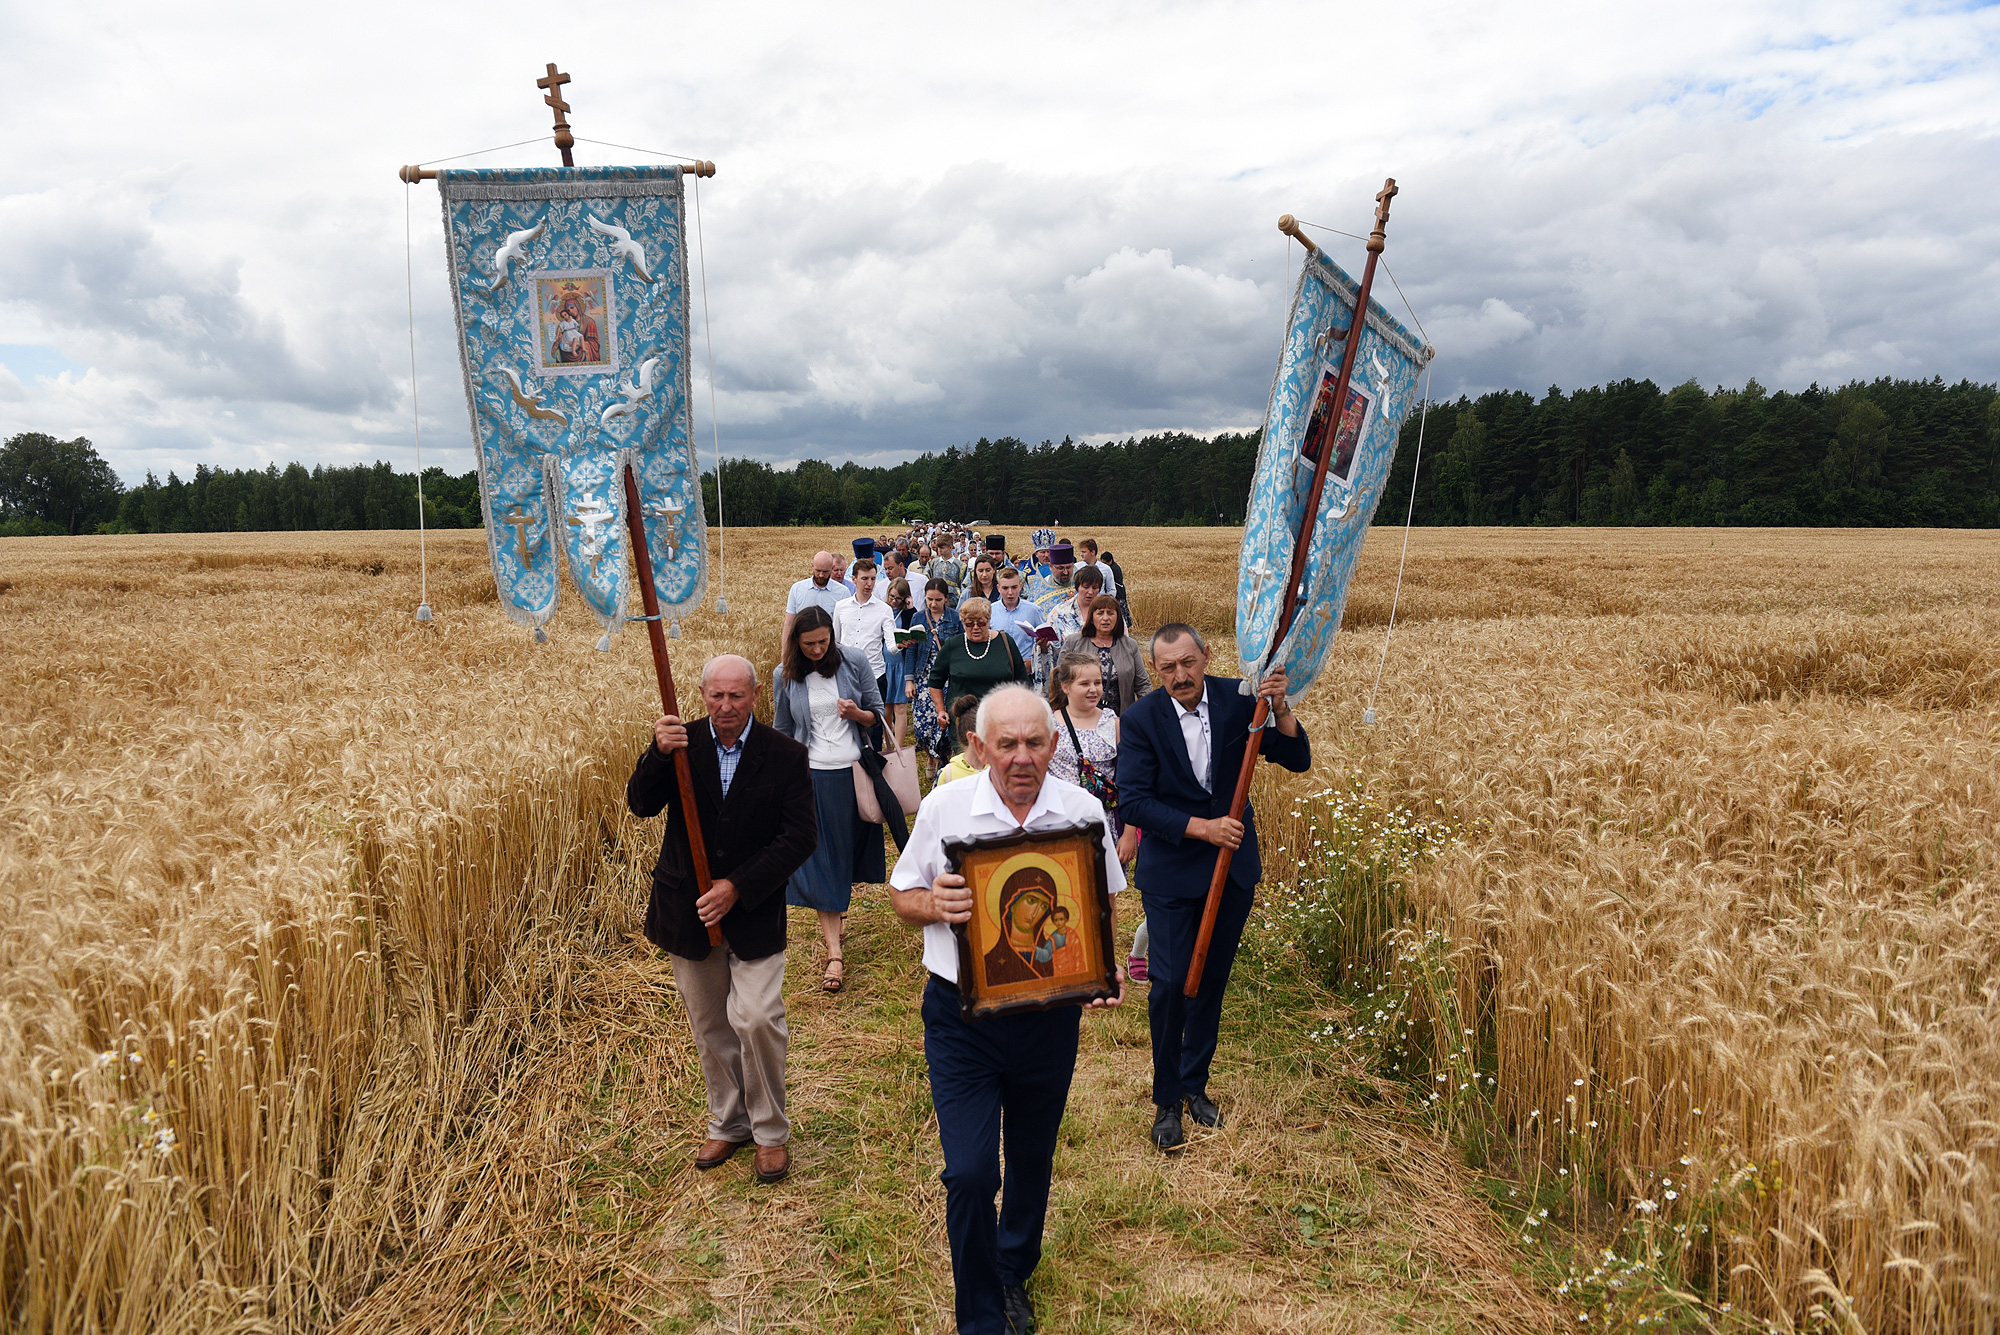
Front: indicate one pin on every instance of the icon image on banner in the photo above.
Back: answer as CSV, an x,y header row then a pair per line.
x,y
1318,426
576,324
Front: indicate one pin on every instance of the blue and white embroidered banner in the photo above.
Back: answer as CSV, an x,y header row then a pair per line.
x,y
571,290
1300,424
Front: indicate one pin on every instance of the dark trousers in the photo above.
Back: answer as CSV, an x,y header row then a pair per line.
x,y
1008,1073
1183,1029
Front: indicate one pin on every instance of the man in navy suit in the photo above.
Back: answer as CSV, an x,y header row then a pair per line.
x,y
1179,752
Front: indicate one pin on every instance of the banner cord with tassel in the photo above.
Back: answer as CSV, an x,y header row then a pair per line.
x,y
416,411
1409,518
416,419
715,439
708,342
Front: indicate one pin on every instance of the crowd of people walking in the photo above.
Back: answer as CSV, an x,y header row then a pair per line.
x,y
1011,685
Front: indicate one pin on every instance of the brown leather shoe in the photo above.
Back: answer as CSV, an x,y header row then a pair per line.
x,y
715,1153
773,1162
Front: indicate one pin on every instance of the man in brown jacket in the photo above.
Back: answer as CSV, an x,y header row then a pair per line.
x,y
754,797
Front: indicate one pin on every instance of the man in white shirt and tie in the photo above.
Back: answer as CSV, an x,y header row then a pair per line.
x,y
1179,752
1010,1071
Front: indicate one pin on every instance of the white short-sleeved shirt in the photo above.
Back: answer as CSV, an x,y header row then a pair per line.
x,y
806,594
968,809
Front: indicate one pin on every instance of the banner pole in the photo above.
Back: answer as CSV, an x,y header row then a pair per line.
x,y
663,668
1377,239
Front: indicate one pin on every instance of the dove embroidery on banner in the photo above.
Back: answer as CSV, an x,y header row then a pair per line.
x,y
623,246
634,395
530,401
515,247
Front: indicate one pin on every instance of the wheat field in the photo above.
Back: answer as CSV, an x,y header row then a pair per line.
x,y
289,882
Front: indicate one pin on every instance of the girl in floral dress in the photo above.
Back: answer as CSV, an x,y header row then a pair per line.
x,y
1076,690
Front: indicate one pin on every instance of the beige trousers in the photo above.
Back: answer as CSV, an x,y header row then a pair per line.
x,y
737,1010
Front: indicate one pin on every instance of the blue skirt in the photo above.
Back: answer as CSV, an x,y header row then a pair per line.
x,y
848,850
898,666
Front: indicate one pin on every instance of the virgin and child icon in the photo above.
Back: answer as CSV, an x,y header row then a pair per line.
x,y
1036,939
574,322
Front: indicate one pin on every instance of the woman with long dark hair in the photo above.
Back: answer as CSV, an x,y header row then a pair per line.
x,y
985,583
826,699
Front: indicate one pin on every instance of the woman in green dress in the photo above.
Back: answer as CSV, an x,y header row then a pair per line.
x,y
975,662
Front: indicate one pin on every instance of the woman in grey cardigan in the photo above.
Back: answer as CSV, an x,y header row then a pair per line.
x,y
1125,678
825,699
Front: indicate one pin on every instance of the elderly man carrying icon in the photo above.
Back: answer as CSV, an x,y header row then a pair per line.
x,y
1004,1072
754,797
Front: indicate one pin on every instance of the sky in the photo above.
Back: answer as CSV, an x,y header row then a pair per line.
x,y
932,224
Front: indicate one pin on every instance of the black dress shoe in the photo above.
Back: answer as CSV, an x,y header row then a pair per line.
x,y
1167,1133
1020,1311
1204,1112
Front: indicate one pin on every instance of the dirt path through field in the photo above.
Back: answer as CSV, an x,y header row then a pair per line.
x,y
1311,1211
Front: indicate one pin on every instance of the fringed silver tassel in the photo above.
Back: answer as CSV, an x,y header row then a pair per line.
x,y
541,636
423,612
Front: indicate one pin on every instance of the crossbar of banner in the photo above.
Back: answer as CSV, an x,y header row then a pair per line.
x,y
1376,240
413,173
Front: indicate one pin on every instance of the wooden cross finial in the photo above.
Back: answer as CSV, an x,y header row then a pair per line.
x,y
554,82
1376,238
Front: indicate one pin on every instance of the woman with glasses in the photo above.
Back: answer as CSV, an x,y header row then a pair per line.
x,y
975,662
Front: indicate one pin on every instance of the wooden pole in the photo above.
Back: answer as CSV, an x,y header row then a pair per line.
x,y
1220,880
663,668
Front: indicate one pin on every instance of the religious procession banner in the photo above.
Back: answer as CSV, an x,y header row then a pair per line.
x,y
570,285
1303,421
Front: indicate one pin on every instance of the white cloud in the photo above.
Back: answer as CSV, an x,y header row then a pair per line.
x,y
1467,333
932,225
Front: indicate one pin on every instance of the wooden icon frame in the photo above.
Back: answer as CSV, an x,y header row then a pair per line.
x,y
1052,883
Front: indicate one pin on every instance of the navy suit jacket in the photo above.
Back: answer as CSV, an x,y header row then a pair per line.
x,y
1158,791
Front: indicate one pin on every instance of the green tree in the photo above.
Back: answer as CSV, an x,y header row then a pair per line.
x,y
1460,494
1850,475
61,482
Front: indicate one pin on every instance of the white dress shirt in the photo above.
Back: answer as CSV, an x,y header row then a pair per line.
x,y
1194,732
968,808
865,628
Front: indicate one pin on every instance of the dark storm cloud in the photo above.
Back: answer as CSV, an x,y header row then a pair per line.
x,y
932,228
90,266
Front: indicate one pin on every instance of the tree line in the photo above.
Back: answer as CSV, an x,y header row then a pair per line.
x,y
50,486
1888,453
1883,453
